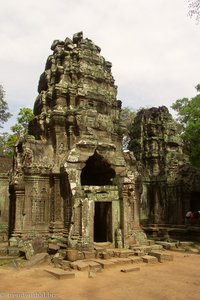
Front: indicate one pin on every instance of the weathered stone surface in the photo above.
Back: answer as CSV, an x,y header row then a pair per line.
x,y
80,265
89,254
162,256
149,259
70,173
59,274
132,269
136,260
37,259
94,266
5,167
106,264
124,260
169,184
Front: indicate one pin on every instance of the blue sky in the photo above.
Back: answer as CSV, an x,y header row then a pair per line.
x,y
153,46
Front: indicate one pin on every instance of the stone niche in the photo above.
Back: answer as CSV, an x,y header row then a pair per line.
x,y
170,185
71,179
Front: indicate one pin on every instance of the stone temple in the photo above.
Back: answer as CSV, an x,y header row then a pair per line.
x,y
71,181
71,178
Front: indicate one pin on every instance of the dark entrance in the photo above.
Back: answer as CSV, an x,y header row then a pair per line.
x,y
103,222
97,171
195,201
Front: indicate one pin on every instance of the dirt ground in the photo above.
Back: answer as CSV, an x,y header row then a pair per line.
x,y
175,280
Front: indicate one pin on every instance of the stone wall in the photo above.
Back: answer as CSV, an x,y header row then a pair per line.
x,y
170,185
5,166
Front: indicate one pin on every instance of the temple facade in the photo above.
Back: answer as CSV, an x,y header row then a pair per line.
x,y
71,178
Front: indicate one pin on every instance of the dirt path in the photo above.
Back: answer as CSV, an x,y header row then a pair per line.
x,y
175,280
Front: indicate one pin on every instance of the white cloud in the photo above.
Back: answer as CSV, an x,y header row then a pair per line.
x,y
153,46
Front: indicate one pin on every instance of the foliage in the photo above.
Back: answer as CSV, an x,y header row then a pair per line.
x,y
127,116
189,118
194,9
25,115
4,113
8,141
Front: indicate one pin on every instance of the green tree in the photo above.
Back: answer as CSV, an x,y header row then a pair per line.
x,y
126,119
189,119
25,115
194,9
4,113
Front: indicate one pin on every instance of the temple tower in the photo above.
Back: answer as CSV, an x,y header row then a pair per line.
x,y
71,178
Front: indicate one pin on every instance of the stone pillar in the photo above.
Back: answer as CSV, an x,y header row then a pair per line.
x,y
19,213
57,225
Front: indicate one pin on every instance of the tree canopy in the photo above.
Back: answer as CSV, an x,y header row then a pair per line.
x,y
126,119
7,141
194,9
189,118
4,112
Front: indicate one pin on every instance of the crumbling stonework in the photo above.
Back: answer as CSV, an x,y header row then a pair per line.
x,y
5,166
71,180
168,190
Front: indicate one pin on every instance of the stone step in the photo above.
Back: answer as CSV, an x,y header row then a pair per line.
x,y
106,264
60,274
149,259
162,256
79,265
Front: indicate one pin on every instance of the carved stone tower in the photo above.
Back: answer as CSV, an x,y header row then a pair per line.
x,y
71,178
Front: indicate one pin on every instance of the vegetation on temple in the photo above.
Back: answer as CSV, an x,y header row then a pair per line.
x,y
7,140
189,119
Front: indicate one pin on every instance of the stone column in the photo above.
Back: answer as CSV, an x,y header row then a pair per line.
x,y
18,227
57,225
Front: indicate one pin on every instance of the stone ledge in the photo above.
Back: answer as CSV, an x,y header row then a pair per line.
x,y
149,259
60,274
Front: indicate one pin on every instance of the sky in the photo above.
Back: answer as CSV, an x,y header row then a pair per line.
x,y
153,46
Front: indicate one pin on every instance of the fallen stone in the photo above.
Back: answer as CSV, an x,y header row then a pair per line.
x,y
37,259
89,254
59,274
104,255
57,260
124,260
162,256
186,244
38,245
166,245
65,265
106,264
149,259
133,269
94,266
79,265
53,248
136,260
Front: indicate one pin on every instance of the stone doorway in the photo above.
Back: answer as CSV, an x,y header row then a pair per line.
x,y
195,201
103,222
